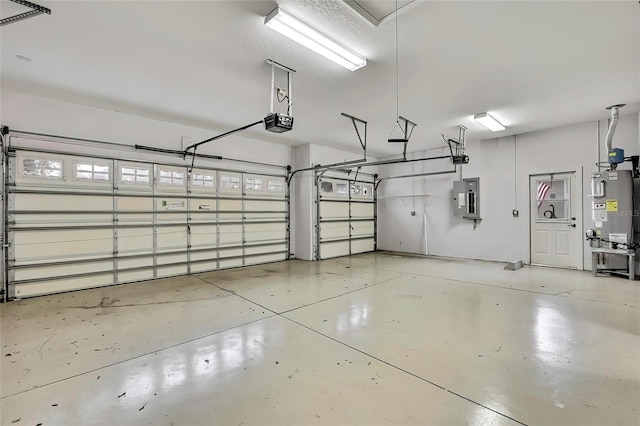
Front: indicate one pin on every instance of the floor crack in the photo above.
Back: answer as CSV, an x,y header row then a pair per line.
x,y
45,342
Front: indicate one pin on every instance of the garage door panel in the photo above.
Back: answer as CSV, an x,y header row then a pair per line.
x,y
265,232
165,218
170,271
135,240
329,250
135,203
61,270
138,262
172,237
132,276
203,210
329,210
66,284
31,245
255,260
333,230
265,249
205,255
230,234
204,266
273,205
362,210
86,219
226,205
360,229
203,235
50,202
362,246
230,263
229,217
171,258
169,210
265,216
226,253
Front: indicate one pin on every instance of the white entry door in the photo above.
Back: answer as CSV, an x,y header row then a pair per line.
x,y
555,224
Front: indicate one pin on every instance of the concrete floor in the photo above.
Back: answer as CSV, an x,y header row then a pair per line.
x,y
373,339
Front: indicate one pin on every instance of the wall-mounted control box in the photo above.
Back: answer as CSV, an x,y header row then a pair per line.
x,y
466,198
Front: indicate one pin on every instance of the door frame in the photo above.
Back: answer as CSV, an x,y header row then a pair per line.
x,y
579,188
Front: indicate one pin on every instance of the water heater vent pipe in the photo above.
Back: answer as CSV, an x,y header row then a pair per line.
x,y
615,114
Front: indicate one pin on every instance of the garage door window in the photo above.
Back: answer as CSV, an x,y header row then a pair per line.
x,y
199,179
253,184
92,172
275,185
42,168
229,182
326,186
135,175
171,177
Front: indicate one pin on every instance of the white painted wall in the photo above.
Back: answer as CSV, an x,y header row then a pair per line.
x,y
504,169
301,193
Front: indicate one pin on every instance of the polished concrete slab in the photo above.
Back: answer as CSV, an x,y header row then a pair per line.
x,y
371,339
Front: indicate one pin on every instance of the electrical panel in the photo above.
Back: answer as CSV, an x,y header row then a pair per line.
x,y
466,199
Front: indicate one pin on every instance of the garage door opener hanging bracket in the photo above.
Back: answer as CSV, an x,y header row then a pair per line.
x,y
274,122
363,142
406,126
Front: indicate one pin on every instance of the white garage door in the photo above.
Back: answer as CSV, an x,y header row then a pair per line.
x,y
345,217
78,222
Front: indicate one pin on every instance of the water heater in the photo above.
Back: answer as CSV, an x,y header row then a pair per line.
x,y
614,216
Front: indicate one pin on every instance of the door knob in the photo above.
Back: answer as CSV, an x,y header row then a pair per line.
x,y
573,225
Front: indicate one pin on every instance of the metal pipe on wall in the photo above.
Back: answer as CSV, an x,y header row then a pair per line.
x,y
615,115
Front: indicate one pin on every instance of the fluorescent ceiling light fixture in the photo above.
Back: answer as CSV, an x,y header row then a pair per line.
x,y
290,26
489,122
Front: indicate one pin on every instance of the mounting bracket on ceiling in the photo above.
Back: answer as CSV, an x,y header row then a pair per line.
x,y
459,152
36,10
406,127
354,120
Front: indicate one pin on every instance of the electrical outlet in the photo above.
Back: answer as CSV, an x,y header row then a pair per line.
x,y
515,213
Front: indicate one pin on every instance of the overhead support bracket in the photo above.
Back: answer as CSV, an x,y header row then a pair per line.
x,y
36,10
406,127
458,148
278,65
355,120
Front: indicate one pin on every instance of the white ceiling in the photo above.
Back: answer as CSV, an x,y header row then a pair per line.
x,y
534,65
